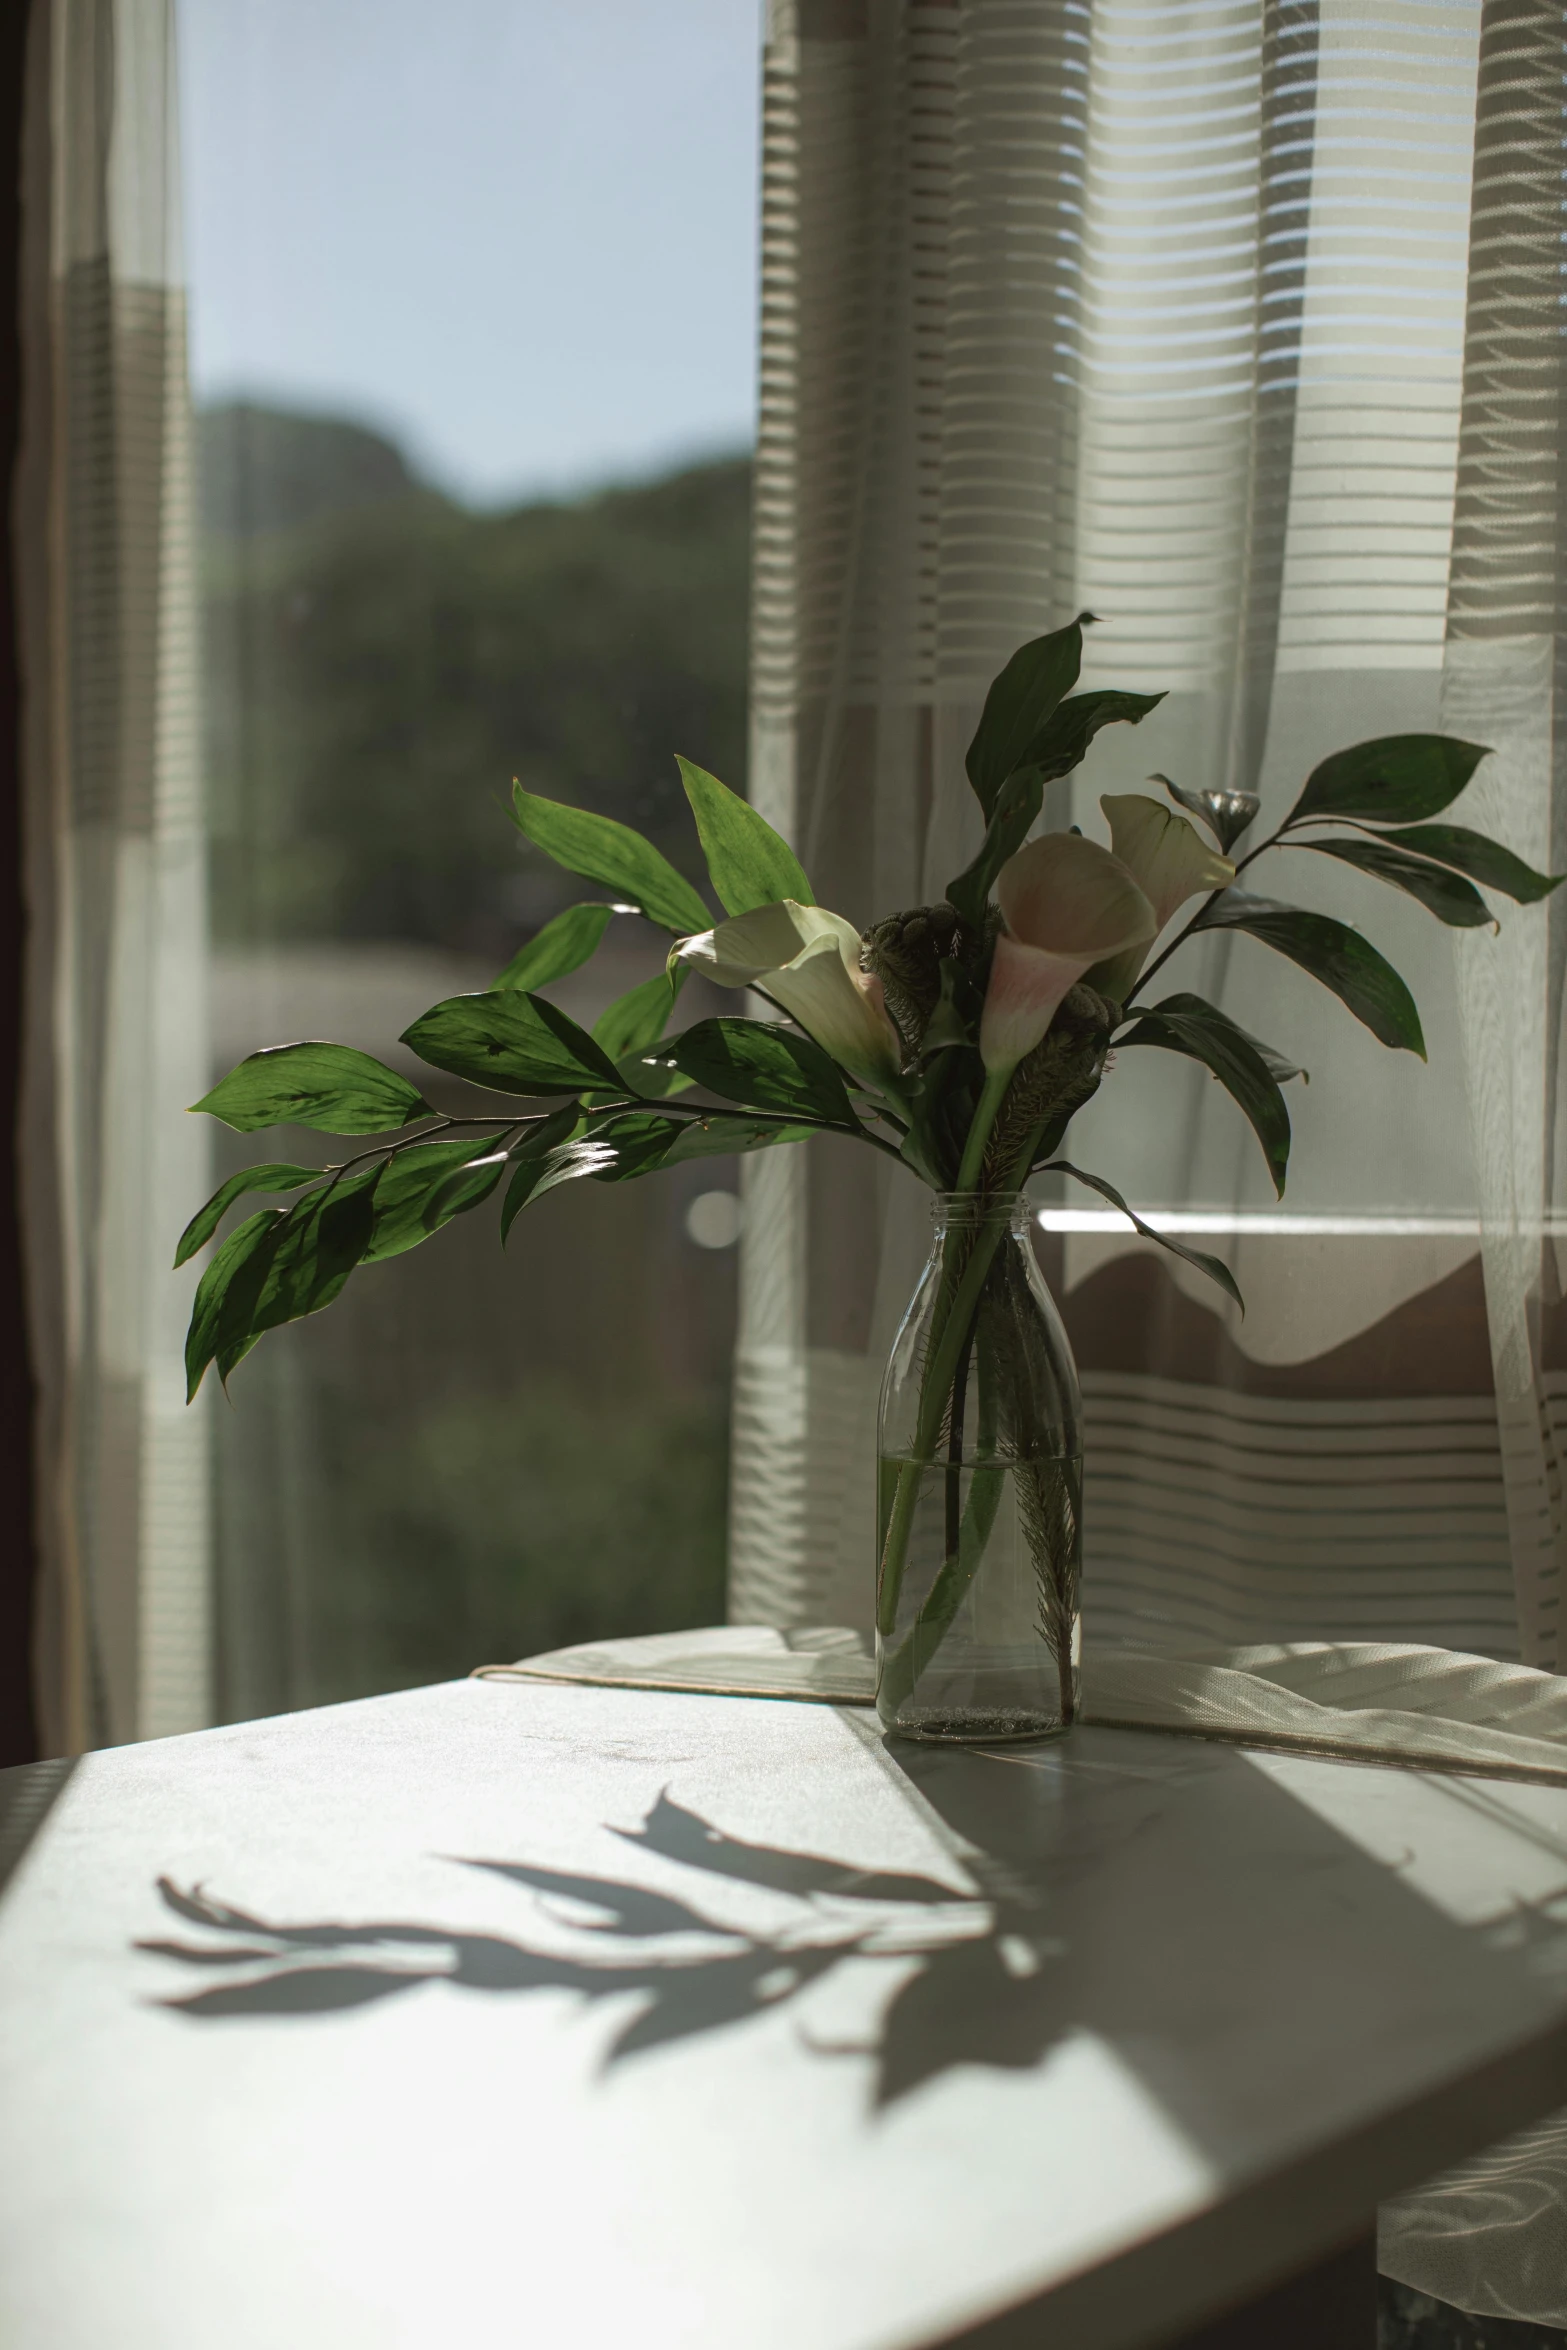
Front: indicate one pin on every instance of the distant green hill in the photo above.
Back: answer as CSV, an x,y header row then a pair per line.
x,y
380,663
270,469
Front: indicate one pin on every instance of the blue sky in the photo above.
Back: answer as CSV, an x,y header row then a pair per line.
x,y
520,236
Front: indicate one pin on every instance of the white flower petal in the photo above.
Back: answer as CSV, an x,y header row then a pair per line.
x,y
835,1005
1067,895
808,960
1067,904
1023,997
1166,856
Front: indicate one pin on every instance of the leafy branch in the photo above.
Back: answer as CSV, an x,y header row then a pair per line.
x,y
880,1040
959,1040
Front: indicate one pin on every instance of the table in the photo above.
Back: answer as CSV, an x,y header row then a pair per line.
x,y
541,2014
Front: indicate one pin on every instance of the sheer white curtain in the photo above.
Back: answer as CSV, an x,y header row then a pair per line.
x,y
115,1048
915,518
1238,323
1204,318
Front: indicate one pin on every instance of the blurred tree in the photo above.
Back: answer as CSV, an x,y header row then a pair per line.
x,y
265,469
381,662
401,1491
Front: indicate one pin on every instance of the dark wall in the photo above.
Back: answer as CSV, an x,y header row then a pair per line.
x,y
18,1727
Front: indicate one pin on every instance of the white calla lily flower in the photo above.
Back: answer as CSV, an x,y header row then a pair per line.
x,y
1067,903
1170,862
808,961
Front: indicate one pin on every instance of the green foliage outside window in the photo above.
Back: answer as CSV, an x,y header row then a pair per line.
x,y
404,1495
381,664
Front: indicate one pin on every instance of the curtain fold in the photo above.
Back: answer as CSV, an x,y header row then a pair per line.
x,y
115,1047
1239,325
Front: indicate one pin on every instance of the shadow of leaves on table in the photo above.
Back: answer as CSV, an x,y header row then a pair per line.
x,y
970,1966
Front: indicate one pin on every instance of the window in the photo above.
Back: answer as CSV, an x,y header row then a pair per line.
x,y
472,325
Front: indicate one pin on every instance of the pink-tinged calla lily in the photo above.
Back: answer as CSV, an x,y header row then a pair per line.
x,y
1067,904
807,960
1170,862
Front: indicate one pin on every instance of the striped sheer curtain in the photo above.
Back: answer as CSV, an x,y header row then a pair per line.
x,y
115,878
1238,323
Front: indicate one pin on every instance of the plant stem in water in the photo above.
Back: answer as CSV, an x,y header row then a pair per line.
x,y
955,1305
954,1479
965,1547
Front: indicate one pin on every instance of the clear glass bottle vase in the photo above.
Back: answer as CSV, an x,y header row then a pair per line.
x,y
979,1506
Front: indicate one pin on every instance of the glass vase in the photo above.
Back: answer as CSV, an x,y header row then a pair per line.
x,y
979,1505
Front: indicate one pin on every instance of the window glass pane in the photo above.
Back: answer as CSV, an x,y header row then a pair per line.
x,y
472,321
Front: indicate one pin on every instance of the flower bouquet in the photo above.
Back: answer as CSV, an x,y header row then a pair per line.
x,y
959,1040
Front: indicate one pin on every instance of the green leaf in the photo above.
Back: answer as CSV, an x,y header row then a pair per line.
x,y
466,1187
652,1079
748,863
719,1135
1038,677
1016,807
310,1253
943,1093
532,1157
227,1292
764,1067
1186,1024
561,946
275,1268
955,1021
613,855
512,1044
629,1143
329,1086
1447,895
1214,1267
1331,952
274,1176
1061,743
1053,750
638,1019
424,1188
632,1143
1278,1068
1485,861
1227,814
1397,779
613,1149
